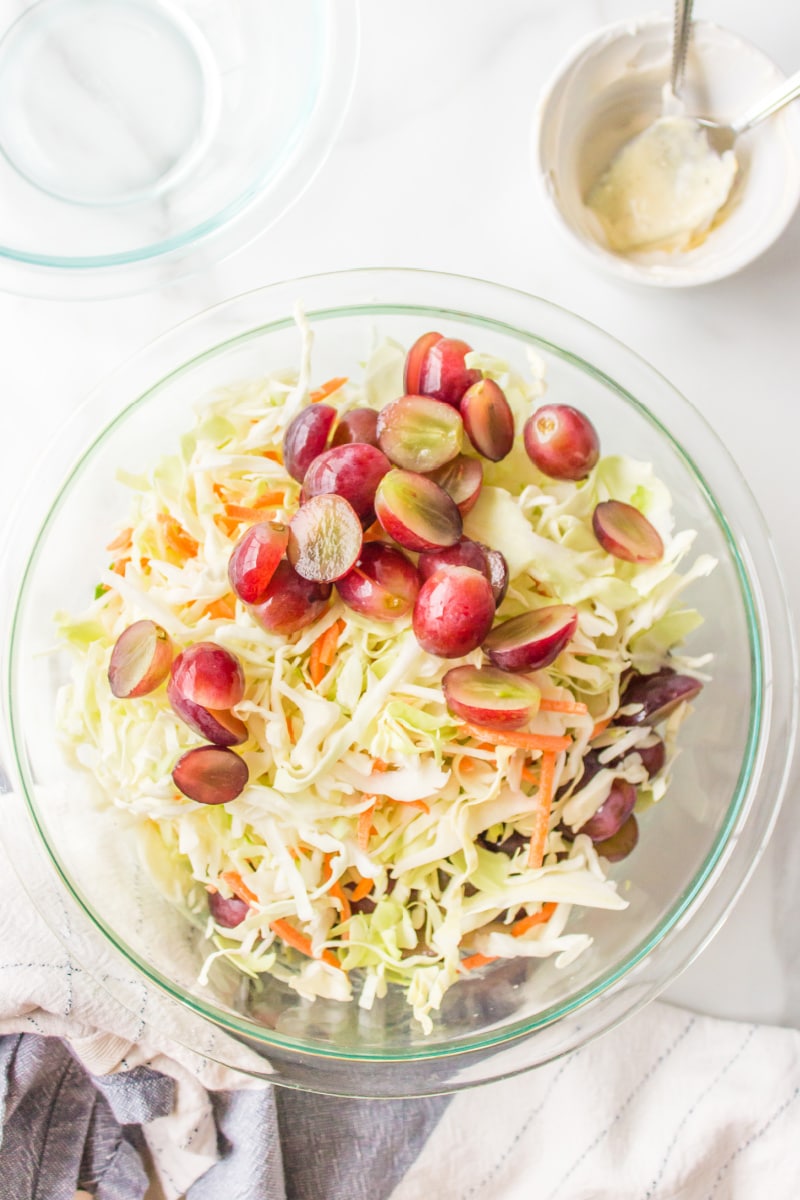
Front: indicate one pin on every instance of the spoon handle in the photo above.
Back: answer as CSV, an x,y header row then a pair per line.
x,y
680,41
783,94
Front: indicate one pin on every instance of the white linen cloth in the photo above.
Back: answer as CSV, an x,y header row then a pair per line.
x,y
670,1106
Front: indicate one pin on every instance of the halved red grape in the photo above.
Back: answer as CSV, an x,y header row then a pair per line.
x,y
626,533
419,434
306,437
325,537
612,813
498,574
462,479
210,774
352,471
561,442
620,844
416,512
227,913
140,660
491,697
464,553
532,640
442,373
357,425
488,419
207,674
653,756
415,359
658,694
454,612
383,584
291,602
254,558
219,726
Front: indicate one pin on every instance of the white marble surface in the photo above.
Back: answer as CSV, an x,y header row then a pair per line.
x,y
432,170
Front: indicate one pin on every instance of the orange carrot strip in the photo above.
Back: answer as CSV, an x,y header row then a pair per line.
x,y
329,640
539,918
122,541
275,455
476,960
544,804
323,652
562,706
523,741
270,500
365,826
336,890
226,524
177,538
119,566
239,887
599,728
223,609
243,512
327,389
363,888
416,804
530,776
298,941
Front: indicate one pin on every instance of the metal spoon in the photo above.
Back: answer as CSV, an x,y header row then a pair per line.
x,y
681,30
722,137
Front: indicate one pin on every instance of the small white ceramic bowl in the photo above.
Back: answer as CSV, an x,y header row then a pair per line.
x,y
610,88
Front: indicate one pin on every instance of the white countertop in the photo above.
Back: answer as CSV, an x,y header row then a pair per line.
x,y
432,170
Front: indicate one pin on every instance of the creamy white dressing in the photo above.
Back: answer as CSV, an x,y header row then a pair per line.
x,y
663,189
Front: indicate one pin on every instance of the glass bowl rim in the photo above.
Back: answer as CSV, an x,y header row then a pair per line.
x,y
715,859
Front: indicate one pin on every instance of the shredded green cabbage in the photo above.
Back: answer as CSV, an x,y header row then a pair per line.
x,y
377,724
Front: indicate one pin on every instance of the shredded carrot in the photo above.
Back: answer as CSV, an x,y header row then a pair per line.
x,y
362,888
365,826
416,804
254,511
476,960
119,566
563,706
223,609
599,728
539,918
239,887
212,891
375,533
272,499
176,537
298,941
226,524
530,776
523,741
323,652
122,541
336,891
329,640
379,766
275,455
327,389
543,806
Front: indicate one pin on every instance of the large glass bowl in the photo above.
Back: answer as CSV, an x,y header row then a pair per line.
x,y
696,848
144,139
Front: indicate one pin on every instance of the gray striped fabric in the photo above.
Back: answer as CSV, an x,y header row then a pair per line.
x,y
61,1129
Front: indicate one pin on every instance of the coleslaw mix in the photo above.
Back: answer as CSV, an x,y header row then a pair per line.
x,y
365,785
